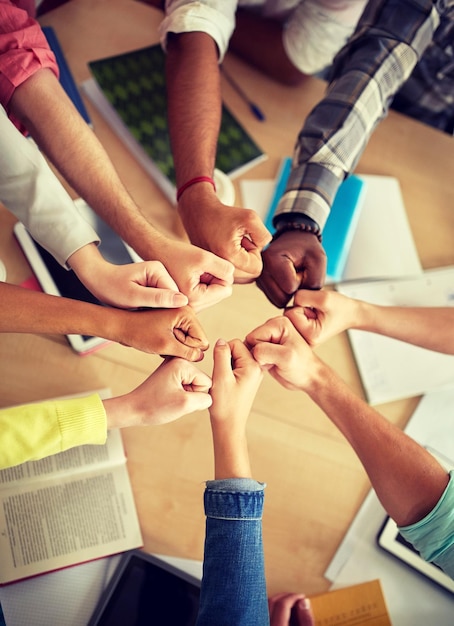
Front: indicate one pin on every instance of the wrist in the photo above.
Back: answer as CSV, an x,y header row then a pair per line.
x,y
319,379
193,181
296,222
197,193
364,315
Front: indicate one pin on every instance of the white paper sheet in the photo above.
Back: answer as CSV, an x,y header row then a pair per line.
x,y
377,251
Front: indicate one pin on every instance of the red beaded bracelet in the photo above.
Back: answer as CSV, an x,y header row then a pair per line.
x,y
193,181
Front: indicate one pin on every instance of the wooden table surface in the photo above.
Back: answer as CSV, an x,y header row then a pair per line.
x,y
315,483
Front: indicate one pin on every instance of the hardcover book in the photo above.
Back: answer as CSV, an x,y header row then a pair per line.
x,y
129,90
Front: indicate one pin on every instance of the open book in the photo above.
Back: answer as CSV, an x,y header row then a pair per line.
x,y
66,509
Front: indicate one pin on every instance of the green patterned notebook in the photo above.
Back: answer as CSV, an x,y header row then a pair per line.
x,y
129,91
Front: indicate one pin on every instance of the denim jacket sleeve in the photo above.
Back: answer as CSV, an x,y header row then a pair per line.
x,y
233,586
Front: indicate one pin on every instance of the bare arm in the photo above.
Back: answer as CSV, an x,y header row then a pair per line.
x,y
320,315
194,111
407,479
174,332
194,103
236,378
43,107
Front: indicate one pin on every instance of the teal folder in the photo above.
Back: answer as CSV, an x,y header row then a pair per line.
x,y
342,221
66,78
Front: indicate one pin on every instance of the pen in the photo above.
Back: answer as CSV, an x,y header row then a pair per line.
x,y
257,112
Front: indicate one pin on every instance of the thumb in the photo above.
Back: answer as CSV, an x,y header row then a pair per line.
x,y
301,318
197,401
222,360
156,298
269,354
304,613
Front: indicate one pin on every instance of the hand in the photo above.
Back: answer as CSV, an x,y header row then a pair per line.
x,y
168,332
278,347
290,609
202,276
233,233
236,379
146,284
319,315
294,260
175,389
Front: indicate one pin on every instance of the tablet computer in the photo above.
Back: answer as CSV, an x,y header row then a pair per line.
x,y
390,540
147,591
58,281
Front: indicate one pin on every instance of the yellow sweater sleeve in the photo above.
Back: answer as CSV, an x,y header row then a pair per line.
x,y
33,431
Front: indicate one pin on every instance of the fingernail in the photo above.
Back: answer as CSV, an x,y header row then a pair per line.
x,y
221,342
304,604
179,299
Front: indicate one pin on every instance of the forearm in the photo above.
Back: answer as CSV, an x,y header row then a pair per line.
x,y
231,457
407,479
194,103
428,327
370,69
26,311
69,143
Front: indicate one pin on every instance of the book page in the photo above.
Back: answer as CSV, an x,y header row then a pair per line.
x,y
71,461
64,521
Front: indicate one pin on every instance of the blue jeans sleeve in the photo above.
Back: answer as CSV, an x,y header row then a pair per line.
x,y
233,588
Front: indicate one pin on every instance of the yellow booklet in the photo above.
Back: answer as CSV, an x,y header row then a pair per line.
x,y
358,605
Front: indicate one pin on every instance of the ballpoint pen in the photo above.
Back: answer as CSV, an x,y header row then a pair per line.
x,y
253,107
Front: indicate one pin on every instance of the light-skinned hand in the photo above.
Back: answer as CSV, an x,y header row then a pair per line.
x,y
278,347
203,277
236,379
176,388
319,315
293,261
290,609
146,284
233,233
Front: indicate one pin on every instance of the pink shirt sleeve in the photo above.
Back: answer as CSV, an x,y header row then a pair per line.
x,y
23,50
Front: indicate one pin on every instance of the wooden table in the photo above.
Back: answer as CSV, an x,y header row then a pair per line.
x,y
315,483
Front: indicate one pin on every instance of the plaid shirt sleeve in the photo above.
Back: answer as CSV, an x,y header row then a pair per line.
x,y
387,44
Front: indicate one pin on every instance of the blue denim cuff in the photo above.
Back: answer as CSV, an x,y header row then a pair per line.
x,y
235,484
234,503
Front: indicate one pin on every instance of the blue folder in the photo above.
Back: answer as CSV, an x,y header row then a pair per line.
x,y
66,78
342,221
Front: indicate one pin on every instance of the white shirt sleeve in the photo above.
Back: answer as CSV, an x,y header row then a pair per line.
x,y
317,29
213,17
32,192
